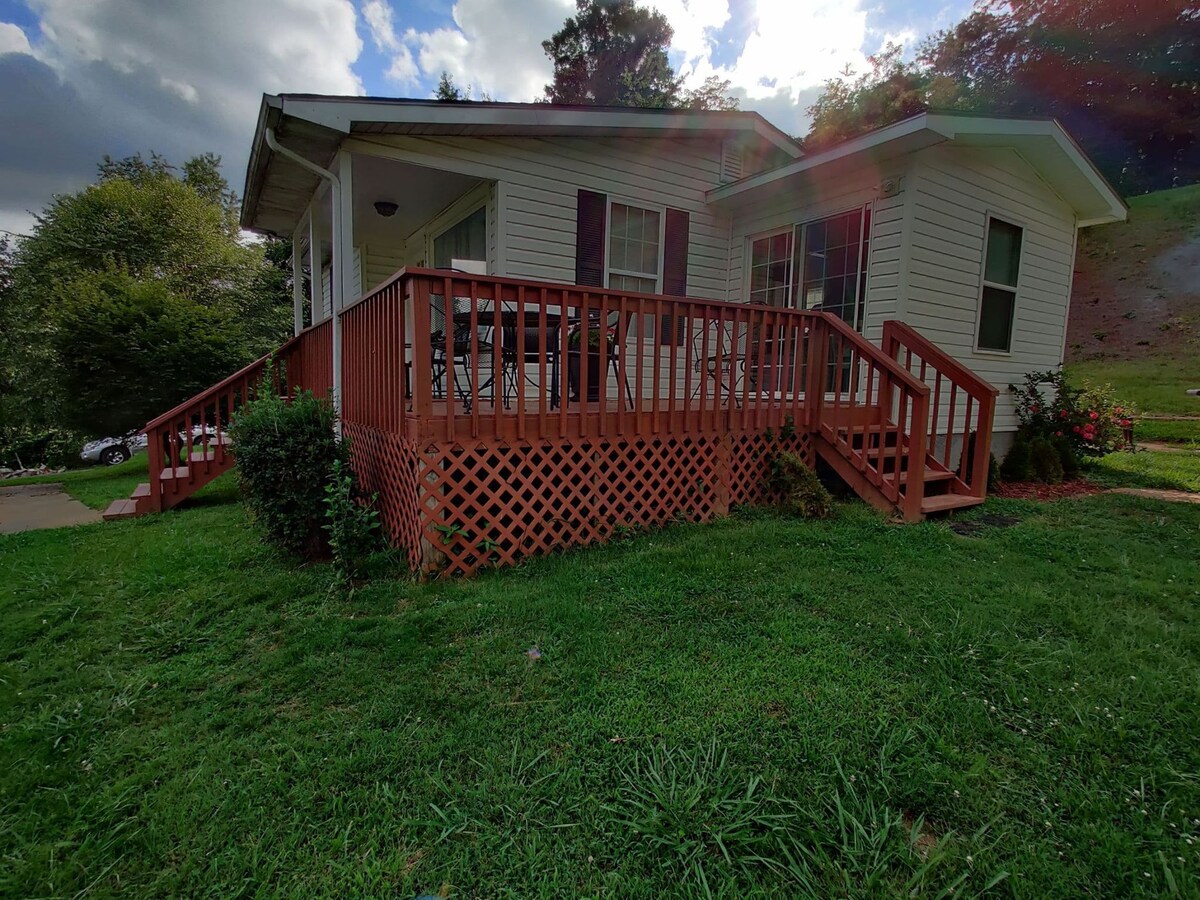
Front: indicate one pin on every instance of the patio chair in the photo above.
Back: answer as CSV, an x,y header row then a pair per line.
x,y
614,356
714,359
536,346
468,351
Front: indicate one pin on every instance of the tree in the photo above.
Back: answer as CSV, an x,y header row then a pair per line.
x,y
1123,76
891,91
612,53
141,286
713,94
447,91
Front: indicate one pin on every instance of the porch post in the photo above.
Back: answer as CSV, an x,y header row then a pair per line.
x,y
343,258
315,286
297,283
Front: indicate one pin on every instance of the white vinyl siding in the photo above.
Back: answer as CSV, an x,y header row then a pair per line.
x,y
952,194
539,179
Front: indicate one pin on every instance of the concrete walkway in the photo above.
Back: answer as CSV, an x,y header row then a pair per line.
x,y
26,507
1157,494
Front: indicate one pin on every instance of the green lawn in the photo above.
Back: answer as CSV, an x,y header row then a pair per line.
x,y
1154,385
185,713
96,486
1146,469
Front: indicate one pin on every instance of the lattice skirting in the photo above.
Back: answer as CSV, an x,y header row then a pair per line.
x,y
386,466
457,508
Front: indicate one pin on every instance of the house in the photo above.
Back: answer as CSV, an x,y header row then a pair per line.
x,y
866,305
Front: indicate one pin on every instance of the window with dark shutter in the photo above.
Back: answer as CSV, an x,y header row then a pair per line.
x,y
675,266
591,212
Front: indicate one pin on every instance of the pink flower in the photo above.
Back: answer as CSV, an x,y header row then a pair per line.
x,y
1034,408
1058,434
1094,415
1076,429
1062,414
1126,422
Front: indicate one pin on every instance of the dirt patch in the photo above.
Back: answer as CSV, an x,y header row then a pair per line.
x,y
1028,490
973,527
29,507
1135,288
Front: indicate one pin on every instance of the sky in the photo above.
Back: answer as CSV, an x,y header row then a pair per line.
x,y
83,78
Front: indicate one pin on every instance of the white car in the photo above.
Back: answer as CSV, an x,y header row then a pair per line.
x,y
112,451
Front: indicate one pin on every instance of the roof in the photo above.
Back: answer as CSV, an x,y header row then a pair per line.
x,y
1043,143
314,125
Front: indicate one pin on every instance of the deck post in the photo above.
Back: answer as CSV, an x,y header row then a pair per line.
x,y
818,350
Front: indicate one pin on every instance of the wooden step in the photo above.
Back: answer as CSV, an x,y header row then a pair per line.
x,y
932,476
197,456
179,473
120,509
947,502
142,490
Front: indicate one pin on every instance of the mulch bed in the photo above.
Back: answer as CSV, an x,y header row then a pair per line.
x,y
1028,490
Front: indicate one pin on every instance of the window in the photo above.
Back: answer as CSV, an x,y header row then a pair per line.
x,y
816,265
1001,269
634,248
832,260
466,240
771,269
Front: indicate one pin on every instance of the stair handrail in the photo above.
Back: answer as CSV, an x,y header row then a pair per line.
x,y
903,334
897,335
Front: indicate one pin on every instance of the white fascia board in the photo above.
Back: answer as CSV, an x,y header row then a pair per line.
x,y
340,114
867,142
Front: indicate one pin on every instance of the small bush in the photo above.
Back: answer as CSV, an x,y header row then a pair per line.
x,y
1067,457
1017,466
1046,462
286,451
1089,418
27,448
352,526
993,472
800,490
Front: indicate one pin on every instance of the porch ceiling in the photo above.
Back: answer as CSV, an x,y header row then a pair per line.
x,y
420,193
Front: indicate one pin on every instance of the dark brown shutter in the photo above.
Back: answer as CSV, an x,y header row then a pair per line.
x,y
675,266
590,216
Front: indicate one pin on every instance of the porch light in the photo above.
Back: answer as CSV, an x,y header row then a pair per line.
x,y
386,208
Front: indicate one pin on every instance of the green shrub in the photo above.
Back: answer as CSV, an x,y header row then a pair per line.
x,y
1046,463
993,472
352,526
27,448
286,452
1068,457
800,491
1017,466
1089,418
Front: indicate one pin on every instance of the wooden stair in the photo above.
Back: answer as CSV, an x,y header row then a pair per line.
x,y
205,461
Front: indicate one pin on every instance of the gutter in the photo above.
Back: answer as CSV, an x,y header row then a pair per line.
x,y
335,280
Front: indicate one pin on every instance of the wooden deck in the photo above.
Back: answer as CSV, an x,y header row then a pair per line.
x,y
457,397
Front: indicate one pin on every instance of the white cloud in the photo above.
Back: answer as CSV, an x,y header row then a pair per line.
x,y
378,16
120,76
495,47
13,39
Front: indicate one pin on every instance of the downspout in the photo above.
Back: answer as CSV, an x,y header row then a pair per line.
x,y
335,279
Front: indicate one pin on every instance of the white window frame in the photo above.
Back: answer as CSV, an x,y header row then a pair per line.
x,y
458,211
662,240
1015,289
749,256
865,234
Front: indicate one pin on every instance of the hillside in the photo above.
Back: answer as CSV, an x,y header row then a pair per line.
x,y
1137,283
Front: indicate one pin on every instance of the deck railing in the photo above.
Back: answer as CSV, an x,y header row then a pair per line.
x,y
962,406
516,359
